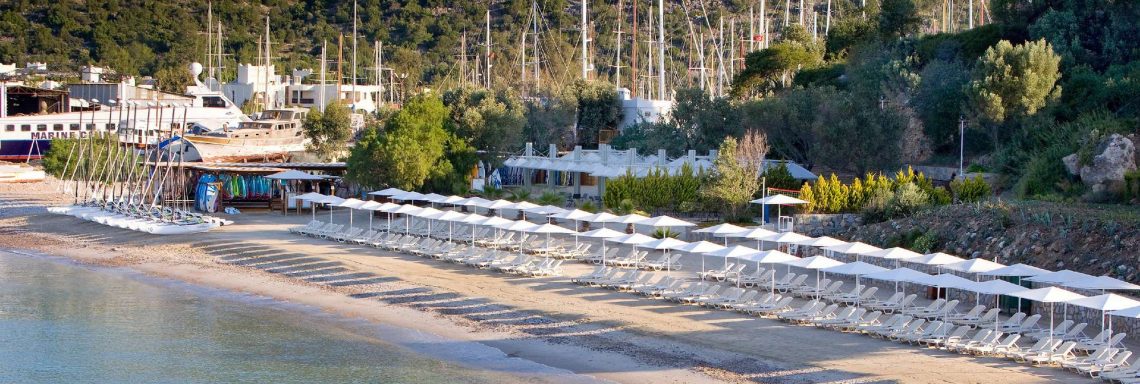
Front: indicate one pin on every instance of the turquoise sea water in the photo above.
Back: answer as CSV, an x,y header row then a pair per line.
x,y
67,323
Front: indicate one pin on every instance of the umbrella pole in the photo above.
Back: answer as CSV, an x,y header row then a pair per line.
x,y
370,221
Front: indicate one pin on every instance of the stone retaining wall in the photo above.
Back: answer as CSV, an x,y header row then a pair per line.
x,y
825,225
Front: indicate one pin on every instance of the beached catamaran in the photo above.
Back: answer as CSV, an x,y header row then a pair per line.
x,y
113,185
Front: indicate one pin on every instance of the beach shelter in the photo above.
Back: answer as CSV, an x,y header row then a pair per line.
x,y
523,206
821,242
629,219
1049,295
1105,303
633,239
1128,313
389,208
387,192
1016,270
816,263
856,269
351,204
408,196
575,214
331,201
770,257
721,230
473,202
937,259
452,200
897,275
407,210
428,213
1103,283
664,245
312,197
893,253
370,206
758,234
600,217
853,248
434,198
779,201
973,266
544,210
498,205
786,238
735,251
294,174
700,248
947,281
996,288
549,229
489,221
451,217
1062,277
603,234
665,222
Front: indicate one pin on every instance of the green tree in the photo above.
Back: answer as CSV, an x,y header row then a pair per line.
x,y
939,101
329,133
774,68
732,185
598,108
898,18
409,151
492,121
1013,81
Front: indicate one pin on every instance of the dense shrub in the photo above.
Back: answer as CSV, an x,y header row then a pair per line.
x,y
657,191
970,190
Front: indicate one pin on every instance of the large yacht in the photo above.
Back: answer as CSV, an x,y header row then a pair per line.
x,y
273,136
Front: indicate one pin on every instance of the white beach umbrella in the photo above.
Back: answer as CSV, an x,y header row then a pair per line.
x,y
387,192
434,198
786,238
779,201
665,221
576,215
1062,277
453,200
408,211
1104,303
603,234
549,229
937,259
996,288
893,253
370,206
312,198
947,281
388,208
351,204
973,266
857,269
600,217
757,234
700,248
408,196
1016,270
1048,295
770,257
517,225
855,248
1103,283
523,206
633,239
821,242
721,230
498,205
816,263
664,245
632,218
901,274
331,201
451,217
735,251
545,210
473,202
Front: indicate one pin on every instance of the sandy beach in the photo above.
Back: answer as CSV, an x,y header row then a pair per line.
x,y
599,333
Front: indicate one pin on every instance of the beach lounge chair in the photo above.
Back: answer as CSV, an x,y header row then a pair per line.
x,y
952,344
845,316
1113,341
1118,372
1043,346
795,282
605,273
1077,332
652,289
729,295
1118,361
821,312
894,306
988,318
348,234
671,261
1063,352
756,279
689,290
722,275
995,348
744,298
598,258
1056,332
931,329
1103,355
866,319
938,339
1029,325
313,224
915,325
712,291
971,314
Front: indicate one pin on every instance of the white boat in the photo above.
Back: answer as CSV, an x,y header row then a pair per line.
x,y
31,117
274,135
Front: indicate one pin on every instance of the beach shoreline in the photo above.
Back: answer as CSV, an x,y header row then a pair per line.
x,y
597,333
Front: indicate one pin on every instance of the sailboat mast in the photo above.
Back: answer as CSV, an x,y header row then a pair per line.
x,y
209,38
633,55
487,75
537,60
585,40
324,68
354,54
268,61
617,68
661,42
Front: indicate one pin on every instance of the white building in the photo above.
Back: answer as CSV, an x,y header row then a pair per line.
x,y
7,69
253,81
362,98
637,110
91,74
